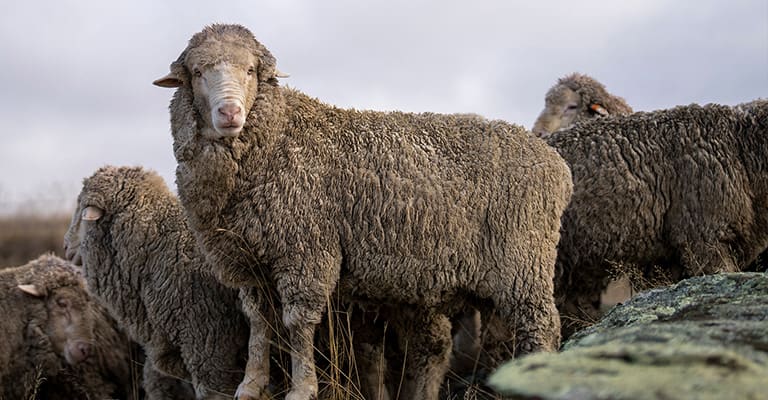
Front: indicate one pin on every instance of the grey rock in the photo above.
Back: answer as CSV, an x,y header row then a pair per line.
x,y
703,338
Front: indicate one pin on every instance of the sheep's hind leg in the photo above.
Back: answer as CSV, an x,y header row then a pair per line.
x,y
537,326
528,324
425,341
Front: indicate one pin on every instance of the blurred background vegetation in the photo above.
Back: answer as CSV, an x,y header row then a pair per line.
x,y
33,226
26,236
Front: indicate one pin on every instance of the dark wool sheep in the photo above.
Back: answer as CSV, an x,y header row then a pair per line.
x,y
434,212
576,98
106,373
141,261
46,324
684,188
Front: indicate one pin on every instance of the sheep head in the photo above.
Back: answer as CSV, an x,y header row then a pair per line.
x,y
70,322
224,66
107,192
562,107
576,98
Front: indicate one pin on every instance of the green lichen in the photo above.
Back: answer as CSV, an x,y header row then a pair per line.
x,y
703,338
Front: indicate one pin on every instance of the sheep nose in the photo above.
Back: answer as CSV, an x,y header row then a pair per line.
x,y
230,111
80,351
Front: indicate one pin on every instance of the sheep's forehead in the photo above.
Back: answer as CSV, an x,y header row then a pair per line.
x,y
562,94
216,52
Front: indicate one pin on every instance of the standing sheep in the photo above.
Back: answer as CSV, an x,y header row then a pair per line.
x,y
576,98
135,210
46,317
140,260
429,211
683,187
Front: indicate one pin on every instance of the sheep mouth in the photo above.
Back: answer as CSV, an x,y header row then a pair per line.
x,y
228,130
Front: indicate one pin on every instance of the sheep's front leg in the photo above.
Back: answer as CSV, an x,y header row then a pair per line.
x,y
256,376
304,284
301,331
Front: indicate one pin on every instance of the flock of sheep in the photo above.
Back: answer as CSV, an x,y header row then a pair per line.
x,y
289,210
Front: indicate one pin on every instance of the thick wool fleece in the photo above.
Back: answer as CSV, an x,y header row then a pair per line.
x,y
141,260
682,187
428,210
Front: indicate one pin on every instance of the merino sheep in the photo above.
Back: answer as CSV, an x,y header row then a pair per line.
x,y
46,317
684,188
140,260
115,195
428,211
576,98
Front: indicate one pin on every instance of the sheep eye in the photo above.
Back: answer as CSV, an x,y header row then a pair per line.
x,y
62,302
572,106
197,73
251,71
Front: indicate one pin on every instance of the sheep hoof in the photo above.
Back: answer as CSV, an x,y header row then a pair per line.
x,y
246,392
301,394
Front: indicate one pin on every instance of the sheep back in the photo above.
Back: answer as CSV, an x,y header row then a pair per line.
x,y
684,186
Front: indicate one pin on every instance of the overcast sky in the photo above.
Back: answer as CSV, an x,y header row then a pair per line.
x,y
75,76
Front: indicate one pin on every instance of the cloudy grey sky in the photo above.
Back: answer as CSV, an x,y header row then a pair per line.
x,y
75,76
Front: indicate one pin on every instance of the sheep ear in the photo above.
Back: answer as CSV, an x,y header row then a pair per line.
x,y
92,213
31,290
169,81
597,108
281,74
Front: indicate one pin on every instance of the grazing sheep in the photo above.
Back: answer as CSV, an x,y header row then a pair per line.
x,y
576,98
423,211
140,260
46,316
684,188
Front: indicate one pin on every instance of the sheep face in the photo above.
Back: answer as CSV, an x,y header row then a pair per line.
x,y
563,107
89,210
70,325
224,87
70,319
223,66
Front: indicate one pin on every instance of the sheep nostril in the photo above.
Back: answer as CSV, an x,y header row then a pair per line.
x,y
83,351
230,111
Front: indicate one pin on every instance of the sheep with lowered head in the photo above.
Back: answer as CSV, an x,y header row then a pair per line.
x,y
576,98
47,319
112,370
429,211
684,188
141,261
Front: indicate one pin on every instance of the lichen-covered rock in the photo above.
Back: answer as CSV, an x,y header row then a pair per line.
x,y
704,338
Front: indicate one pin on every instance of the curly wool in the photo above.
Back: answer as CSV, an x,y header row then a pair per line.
x,y
140,259
420,209
687,186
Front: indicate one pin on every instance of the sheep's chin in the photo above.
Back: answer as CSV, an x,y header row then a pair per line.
x,y
220,133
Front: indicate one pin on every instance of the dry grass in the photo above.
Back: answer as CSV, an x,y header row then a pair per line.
x,y
24,237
